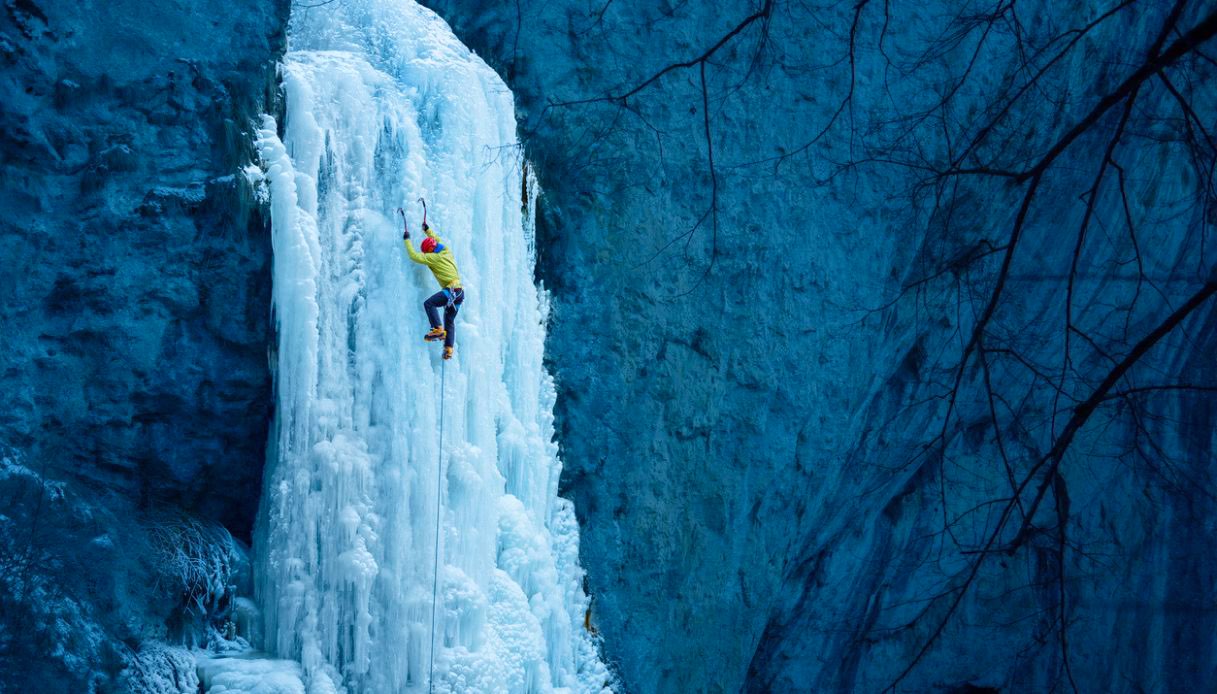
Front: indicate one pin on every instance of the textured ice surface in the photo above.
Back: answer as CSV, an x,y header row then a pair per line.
x,y
385,105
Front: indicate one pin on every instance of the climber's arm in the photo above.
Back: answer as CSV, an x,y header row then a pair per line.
x,y
414,254
431,232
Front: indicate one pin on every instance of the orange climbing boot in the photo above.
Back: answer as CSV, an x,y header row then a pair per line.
x,y
447,352
435,335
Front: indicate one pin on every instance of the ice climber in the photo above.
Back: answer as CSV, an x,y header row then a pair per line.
x,y
438,258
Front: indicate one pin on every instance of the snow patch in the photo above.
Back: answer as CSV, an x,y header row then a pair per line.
x,y
250,675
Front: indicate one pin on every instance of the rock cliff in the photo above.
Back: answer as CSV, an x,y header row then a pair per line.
x,y
830,283
135,304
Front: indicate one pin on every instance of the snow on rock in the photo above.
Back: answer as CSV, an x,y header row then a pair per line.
x,y
384,105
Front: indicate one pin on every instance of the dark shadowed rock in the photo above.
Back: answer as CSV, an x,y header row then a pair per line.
x,y
750,443
135,305
137,288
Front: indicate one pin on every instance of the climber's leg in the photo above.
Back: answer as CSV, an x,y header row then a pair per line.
x,y
450,311
431,306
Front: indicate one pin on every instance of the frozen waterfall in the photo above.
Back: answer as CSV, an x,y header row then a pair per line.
x,y
384,105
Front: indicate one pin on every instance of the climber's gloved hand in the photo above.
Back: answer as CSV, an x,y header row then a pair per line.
x,y
425,227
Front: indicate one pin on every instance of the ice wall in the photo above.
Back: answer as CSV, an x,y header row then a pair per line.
x,y
385,105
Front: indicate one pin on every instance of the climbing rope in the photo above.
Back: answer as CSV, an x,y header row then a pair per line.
x,y
438,505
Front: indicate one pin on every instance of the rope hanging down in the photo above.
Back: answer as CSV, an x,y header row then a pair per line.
x,y
439,502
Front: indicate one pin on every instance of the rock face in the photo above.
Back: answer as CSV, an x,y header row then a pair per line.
x,y
791,413
879,367
136,302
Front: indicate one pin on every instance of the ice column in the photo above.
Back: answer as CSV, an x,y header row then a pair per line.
x,y
384,105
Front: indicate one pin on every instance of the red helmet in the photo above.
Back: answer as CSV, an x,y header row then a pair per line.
x,y
428,244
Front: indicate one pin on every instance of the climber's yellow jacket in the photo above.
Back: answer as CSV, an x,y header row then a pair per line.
x,y
440,261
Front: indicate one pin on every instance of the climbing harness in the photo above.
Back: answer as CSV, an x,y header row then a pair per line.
x,y
439,502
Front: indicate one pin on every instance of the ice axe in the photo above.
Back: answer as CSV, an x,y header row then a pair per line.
x,y
405,224
424,202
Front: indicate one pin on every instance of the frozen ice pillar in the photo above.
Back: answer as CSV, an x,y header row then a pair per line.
x,y
384,105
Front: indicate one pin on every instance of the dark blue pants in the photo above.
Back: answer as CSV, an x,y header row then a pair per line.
x,y
451,300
